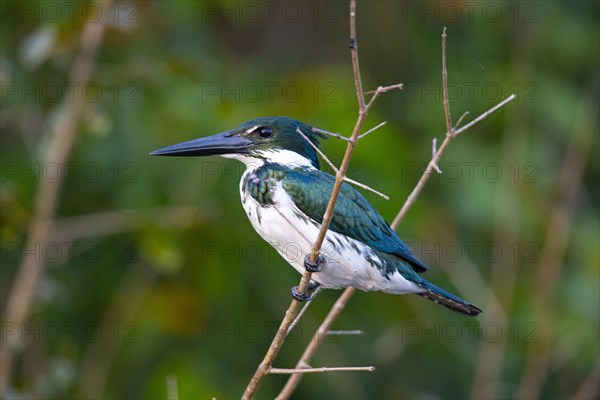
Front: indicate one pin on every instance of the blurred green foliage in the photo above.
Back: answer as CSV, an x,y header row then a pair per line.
x,y
152,269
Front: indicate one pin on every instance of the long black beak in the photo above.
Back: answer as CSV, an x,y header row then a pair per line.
x,y
221,143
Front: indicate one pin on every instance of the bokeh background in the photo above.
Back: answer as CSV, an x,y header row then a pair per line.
x,y
145,270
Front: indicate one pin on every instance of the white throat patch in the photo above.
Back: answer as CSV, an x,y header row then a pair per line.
x,y
287,158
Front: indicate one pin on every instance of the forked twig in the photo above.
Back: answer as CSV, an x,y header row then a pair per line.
x,y
341,302
334,168
332,134
412,198
484,115
383,89
315,342
341,137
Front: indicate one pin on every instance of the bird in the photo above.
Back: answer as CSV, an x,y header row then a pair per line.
x,y
285,193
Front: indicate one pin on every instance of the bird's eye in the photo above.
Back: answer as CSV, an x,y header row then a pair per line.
x,y
265,132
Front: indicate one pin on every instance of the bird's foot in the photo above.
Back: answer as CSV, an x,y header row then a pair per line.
x,y
313,266
309,295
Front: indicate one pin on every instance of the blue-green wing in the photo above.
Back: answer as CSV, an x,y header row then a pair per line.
x,y
354,216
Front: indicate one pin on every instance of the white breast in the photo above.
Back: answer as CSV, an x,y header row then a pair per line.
x,y
292,236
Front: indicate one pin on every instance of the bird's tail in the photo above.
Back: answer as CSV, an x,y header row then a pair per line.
x,y
447,299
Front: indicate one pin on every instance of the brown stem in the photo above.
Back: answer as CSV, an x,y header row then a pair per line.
x,y
447,114
315,342
294,308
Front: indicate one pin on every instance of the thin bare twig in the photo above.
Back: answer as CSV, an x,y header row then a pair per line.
x,y
353,44
460,120
303,310
335,135
386,88
321,369
372,130
341,302
318,150
46,198
334,168
383,89
365,187
338,136
355,332
433,152
484,115
449,128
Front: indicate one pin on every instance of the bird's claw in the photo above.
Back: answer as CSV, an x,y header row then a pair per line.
x,y
300,296
297,295
313,266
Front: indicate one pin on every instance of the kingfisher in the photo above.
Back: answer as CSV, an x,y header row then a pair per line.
x,y
285,194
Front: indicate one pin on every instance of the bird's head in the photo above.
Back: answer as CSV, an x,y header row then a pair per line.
x,y
258,141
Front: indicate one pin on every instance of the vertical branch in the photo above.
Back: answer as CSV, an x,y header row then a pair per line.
x,y
449,128
362,114
432,166
294,308
353,44
22,292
